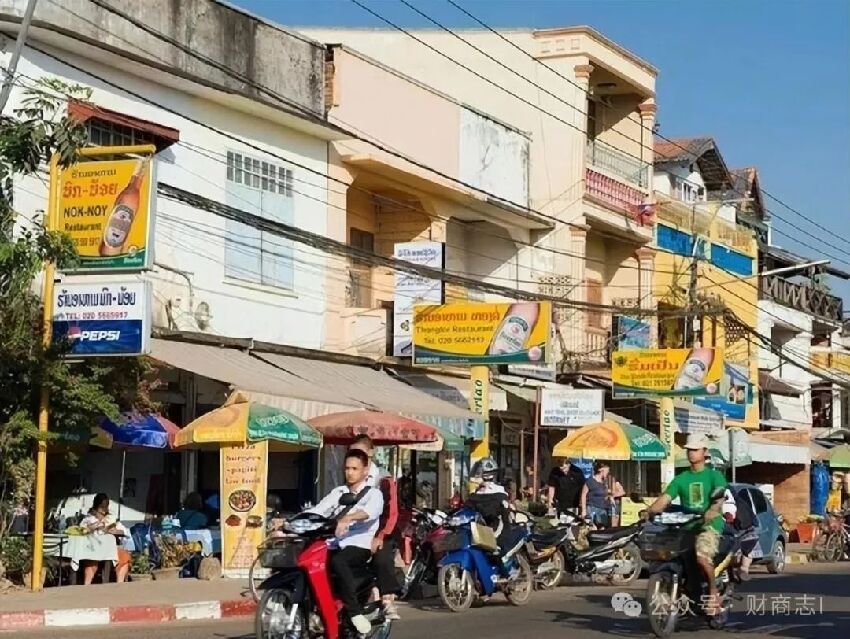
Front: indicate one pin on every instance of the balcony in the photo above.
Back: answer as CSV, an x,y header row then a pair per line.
x,y
802,298
605,157
619,206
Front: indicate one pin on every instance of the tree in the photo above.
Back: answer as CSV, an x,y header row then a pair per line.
x,y
79,393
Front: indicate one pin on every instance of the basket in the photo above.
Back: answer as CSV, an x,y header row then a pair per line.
x,y
280,553
483,537
450,542
665,544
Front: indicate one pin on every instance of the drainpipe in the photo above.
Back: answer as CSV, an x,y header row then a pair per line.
x,y
185,275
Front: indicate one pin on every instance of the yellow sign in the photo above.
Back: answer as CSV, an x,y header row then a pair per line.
x,y
104,207
667,431
671,372
479,403
243,484
478,333
630,510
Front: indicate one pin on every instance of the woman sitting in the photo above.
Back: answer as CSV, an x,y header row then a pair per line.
x,y
192,516
99,522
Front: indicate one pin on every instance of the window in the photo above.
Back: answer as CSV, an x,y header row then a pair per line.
x,y
258,174
106,133
105,127
759,501
264,189
360,274
594,296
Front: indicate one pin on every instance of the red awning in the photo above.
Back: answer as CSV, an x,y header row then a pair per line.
x,y
383,428
165,136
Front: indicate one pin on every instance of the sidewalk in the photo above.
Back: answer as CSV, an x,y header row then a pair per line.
x,y
798,553
140,602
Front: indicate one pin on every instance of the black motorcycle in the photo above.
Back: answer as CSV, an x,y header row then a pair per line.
x,y
667,544
425,532
610,552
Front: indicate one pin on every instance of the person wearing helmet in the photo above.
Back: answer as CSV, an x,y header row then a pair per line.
x,y
490,500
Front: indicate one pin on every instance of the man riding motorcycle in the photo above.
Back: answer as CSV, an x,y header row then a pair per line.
x,y
490,500
696,489
355,532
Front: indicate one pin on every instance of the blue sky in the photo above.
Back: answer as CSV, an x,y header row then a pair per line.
x,y
768,79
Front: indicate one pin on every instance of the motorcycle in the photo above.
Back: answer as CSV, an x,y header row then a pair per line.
x,y
474,567
426,530
297,600
611,552
667,544
545,550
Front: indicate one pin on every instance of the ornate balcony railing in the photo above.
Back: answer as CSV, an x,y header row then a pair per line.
x,y
616,162
618,194
802,298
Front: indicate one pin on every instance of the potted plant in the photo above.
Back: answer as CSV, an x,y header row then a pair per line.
x,y
16,561
172,555
140,566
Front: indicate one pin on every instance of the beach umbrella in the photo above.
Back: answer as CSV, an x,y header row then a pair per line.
x,y
612,441
385,429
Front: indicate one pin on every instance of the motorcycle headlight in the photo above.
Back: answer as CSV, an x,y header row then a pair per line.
x,y
301,526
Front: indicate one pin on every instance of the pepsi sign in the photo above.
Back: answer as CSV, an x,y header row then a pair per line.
x,y
107,318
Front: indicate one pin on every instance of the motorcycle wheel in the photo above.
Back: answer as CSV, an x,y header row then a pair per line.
x,y
456,587
272,613
661,609
631,553
412,579
518,591
552,579
254,580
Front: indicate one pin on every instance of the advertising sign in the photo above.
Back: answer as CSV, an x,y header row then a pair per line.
x,y
632,333
414,289
105,208
571,406
671,372
243,486
103,318
667,421
691,419
479,333
736,393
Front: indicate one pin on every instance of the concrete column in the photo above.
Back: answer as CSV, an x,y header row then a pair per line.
x,y
574,324
646,262
582,75
647,109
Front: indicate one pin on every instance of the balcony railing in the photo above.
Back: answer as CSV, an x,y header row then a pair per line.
x,y
613,192
617,163
802,298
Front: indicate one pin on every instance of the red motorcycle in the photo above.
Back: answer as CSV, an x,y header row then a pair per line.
x,y
297,600
422,550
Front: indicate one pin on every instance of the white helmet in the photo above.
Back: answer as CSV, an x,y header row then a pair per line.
x,y
485,469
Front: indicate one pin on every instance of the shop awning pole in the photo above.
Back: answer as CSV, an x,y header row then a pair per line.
x,y
121,487
536,452
522,485
732,452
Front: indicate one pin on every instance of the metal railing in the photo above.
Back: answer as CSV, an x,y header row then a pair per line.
x,y
616,162
613,192
807,299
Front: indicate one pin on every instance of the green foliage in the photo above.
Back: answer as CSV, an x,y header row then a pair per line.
x,y
15,558
79,393
140,563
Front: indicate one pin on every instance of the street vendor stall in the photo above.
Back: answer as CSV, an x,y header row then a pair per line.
x,y
245,432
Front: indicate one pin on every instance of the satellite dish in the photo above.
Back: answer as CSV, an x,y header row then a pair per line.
x,y
203,315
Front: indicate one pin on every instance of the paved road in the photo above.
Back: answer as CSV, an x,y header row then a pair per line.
x,y
580,612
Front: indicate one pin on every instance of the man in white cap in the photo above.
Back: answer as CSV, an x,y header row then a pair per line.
x,y
695,488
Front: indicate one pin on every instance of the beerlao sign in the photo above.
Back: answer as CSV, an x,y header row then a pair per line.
x,y
105,208
670,372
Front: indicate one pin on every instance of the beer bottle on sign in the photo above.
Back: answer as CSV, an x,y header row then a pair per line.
x,y
121,219
694,369
515,328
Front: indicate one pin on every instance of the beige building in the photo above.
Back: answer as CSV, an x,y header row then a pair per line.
x,y
537,190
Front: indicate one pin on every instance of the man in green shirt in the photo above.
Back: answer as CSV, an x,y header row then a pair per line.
x,y
694,489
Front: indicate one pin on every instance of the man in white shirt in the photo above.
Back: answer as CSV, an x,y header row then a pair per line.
x,y
355,531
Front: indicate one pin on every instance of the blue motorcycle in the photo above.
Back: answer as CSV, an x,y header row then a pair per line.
x,y
473,565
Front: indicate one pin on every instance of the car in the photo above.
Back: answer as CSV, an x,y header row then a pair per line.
x,y
773,540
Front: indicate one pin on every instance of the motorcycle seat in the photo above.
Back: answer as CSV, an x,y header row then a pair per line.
x,y
608,535
547,537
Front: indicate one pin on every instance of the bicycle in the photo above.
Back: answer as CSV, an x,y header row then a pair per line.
x,y
833,540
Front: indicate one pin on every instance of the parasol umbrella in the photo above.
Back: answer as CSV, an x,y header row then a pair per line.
x,y
839,457
241,420
136,431
612,441
384,428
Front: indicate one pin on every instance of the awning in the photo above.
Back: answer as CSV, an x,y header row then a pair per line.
x,y
311,387
454,390
770,384
778,453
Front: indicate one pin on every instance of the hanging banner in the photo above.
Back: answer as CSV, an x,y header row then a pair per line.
x,y
736,393
103,318
479,403
243,484
632,333
671,372
480,333
104,207
667,430
571,406
414,289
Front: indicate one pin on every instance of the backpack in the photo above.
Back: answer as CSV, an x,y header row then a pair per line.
x,y
745,517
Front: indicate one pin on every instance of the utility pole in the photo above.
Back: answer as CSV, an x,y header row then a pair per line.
x,y
16,54
692,286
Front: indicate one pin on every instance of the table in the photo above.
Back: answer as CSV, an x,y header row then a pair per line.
x,y
98,548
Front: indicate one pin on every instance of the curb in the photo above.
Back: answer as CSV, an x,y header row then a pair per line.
x,y
798,558
198,610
